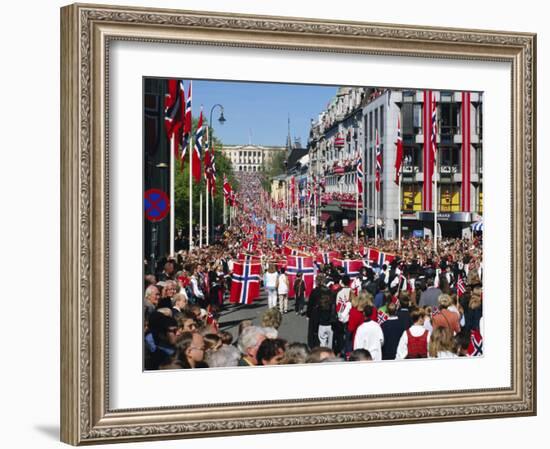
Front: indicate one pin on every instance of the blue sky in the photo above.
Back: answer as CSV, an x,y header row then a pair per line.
x,y
260,109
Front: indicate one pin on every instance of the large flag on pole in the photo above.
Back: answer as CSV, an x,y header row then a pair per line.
x,y
187,122
245,283
212,170
434,128
399,152
173,117
197,151
300,264
351,267
378,162
226,189
207,158
360,175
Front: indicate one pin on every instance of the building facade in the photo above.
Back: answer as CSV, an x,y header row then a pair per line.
x,y
251,158
349,127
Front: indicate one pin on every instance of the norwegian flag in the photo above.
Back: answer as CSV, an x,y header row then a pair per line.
x,y
300,264
434,128
226,190
248,258
197,151
249,246
292,191
209,165
173,114
285,236
245,283
289,251
460,287
399,152
187,123
360,175
327,257
381,317
378,162
380,257
351,267
475,349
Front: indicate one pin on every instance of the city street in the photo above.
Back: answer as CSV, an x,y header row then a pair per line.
x,y
293,328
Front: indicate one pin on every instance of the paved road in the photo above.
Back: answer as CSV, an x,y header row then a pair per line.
x,y
293,328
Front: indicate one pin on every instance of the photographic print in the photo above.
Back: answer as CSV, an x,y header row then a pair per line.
x,y
295,223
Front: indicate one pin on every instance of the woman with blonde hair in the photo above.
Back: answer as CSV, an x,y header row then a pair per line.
x,y
442,344
445,317
356,315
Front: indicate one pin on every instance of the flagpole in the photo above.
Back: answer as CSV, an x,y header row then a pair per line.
x,y
375,216
399,210
190,193
315,208
435,206
200,217
172,194
207,214
357,214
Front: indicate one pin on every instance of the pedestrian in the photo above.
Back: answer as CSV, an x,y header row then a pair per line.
x,y
282,291
270,284
299,294
369,336
414,342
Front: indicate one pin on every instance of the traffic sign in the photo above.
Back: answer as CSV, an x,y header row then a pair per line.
x,y
156,205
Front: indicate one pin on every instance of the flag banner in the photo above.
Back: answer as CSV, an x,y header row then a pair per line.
x,y
351,267
187,123
475,349
270,231
327,257
245,283
248,258
249,247
173,118
197,151
378,257
300,264
360,175
381,317
378,161
460,286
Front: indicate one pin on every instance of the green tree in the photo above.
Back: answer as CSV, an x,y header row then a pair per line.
x,y
276,168
223,166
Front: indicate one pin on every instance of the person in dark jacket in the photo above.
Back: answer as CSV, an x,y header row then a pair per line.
x,y
325,315
299,294
392,329
312,311
160,342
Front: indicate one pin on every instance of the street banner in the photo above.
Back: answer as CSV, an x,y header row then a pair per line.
x,y
245,283
270,231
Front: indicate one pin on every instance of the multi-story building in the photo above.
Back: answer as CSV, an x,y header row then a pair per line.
x,y
250,158
349,127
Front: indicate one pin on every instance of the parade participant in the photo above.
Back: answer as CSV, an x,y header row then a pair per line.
x,y
442,344
404,311
392,329
430,296
270,284
325,315
446,318
343,307
414,343
282,291
299,294
369,336
180,303
312,310
357,316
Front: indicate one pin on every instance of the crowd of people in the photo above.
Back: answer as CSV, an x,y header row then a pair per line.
x,y
423,304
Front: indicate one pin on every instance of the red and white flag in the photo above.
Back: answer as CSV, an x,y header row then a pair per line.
x,y
379,257
475,349
360,175
226,190
460,287
378,162
248,258
351,267
173,114
187,123
300,264
327,257
197,151
245,283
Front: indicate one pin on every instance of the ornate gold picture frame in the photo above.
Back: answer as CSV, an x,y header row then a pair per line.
x,y
87,33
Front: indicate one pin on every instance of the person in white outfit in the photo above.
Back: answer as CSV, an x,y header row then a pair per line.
x,y
282,291
369,336
270,284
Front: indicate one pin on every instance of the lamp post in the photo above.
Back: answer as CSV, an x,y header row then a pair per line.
x,y
210,225
155,225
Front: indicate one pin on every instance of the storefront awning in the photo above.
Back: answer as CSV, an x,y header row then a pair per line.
x,y
331,209
477,227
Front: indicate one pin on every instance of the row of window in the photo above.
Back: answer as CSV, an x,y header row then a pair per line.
x,y
247,168
449,198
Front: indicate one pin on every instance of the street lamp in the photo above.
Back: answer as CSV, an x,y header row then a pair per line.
x,y
221,121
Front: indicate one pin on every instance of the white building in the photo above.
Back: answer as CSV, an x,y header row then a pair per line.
x,y
250,158
348,127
